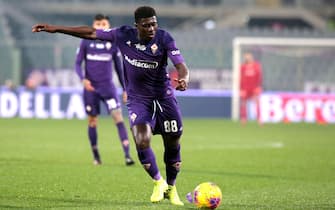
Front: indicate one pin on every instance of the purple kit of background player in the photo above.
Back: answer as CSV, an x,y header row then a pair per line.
x,y
98,85
151,103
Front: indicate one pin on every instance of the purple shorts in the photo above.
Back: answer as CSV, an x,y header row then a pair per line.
x,y
108,95
163,115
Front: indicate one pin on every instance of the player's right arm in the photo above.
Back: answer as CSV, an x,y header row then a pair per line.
x,y
85,32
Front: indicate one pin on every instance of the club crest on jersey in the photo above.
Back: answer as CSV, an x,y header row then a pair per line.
x,y
128,43
108,45
154,48
140,47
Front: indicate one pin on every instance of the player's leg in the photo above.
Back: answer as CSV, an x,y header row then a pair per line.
x,y
243,107
123,135
141,118
255,99
92,109
110,98
172,164
170,126
93,137
142,136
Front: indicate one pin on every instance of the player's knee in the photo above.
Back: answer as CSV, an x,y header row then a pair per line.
x,y
172,141
117,115
142,143
142,135
142,140
92,121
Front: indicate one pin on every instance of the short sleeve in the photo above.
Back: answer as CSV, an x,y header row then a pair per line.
x,y
106,34
172,50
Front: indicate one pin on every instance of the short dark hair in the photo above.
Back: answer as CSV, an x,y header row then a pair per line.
x,y
101,17
144,12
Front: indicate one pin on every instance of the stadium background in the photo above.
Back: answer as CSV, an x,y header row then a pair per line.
x,y
204,31
46,164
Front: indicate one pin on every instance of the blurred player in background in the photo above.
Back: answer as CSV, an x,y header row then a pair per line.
x,y
152,106
250,85
98,85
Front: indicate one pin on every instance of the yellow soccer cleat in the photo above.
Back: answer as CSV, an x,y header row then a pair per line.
x,y
160,186
173,196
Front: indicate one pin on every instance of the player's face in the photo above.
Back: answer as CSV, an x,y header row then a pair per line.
x,y
101,24
147,28
248,58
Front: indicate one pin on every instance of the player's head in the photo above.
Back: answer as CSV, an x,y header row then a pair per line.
x,y
101,22
248,57
146,22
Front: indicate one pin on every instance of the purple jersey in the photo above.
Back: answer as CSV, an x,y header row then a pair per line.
x,y
98,56
145,63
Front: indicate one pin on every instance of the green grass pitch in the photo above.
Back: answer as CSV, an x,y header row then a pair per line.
x,y
47,164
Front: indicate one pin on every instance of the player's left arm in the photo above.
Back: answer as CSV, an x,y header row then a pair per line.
x,y
178,61
183,76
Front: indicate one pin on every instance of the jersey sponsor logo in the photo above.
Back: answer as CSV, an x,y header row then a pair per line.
x,y
154,48
141,63
107,30
175,52
100,46
99,57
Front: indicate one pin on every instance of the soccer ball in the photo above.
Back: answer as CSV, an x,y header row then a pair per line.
x,y
206,195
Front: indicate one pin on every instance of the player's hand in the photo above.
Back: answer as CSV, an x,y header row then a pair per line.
x,y
124,97
87,85
182,84
43,27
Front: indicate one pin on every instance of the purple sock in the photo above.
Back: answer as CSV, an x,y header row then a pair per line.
x,y
93,136
172,163
123,138
148,160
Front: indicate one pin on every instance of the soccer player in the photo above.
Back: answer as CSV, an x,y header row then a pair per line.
x,y
250,85
152,106
98,86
